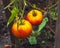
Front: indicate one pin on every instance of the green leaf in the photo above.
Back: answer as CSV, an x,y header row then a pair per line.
x,y
34,6
53,14
32,40
41,26
33,32
14,12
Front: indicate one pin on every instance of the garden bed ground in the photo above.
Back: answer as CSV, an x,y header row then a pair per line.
x,y
45,39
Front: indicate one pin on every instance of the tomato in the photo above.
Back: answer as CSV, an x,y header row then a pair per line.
x,y
35,17
22,30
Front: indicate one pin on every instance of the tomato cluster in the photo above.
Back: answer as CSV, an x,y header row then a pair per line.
x,y
33,17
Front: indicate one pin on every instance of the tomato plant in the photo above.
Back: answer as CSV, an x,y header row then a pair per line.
x,y
23,27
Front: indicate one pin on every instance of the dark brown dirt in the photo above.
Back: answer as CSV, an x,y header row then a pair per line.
x,y
7,40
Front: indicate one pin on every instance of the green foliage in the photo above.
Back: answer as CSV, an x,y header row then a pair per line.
x,y
53,14
14,12
32,40
42,25
48,34
34,6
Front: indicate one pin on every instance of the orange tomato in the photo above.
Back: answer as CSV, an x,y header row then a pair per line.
x,y
22,30
35,17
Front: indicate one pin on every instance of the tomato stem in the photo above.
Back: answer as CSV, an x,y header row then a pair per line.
x,y
24,1
21,22
34,13
23,9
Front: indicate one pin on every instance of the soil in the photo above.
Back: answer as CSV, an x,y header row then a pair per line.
x,y
7,40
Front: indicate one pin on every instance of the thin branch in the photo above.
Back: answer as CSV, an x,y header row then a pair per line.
x,y
9,5
44,10
53,5
23,9
50,29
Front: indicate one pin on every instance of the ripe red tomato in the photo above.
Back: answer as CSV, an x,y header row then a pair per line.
x,y
22,30
35,17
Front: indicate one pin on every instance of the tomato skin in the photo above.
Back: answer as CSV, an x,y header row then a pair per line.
x,y
22,31
35,20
